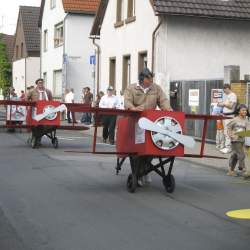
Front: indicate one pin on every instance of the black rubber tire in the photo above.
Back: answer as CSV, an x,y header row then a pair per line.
x,y
55,142
131,183
169,183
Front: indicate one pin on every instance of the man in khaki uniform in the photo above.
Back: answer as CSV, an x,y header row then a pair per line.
x,y
141,96
145,94
40,93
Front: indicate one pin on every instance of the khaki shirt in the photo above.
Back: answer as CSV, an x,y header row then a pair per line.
x,y
134,96
34,95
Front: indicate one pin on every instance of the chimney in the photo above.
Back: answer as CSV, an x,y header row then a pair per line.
x,y
231,74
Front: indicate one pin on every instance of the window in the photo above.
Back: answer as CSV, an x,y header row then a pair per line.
x,y
126,75
52,4
21,50
112,72
45,40
131,8
57,83
45,78
17,53
142,61
58,38
119,13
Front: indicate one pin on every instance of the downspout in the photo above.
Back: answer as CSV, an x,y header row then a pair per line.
x,y
153,44
25,75
64,39
41,51
98,51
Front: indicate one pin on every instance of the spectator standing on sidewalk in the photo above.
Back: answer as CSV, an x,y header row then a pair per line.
x,y
98,99
87,98
220,138
22,96
109,121
69,98
238,124
229,105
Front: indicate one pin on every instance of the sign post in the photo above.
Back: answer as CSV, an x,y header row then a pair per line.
x,y
92,61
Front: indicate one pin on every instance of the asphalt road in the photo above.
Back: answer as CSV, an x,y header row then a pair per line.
x,y
53,200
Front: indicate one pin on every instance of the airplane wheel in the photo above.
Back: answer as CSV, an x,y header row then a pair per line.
x,y
55,142
169,183
131,183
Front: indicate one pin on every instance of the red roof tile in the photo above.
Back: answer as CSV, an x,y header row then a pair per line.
x,y
79,6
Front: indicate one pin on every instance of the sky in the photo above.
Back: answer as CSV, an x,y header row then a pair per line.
x,y
9,13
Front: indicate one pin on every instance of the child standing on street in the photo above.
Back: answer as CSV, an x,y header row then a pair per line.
x,y
238,124
220,138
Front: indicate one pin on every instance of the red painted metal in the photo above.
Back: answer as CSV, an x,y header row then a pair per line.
x,y
203,140
131,116
127,132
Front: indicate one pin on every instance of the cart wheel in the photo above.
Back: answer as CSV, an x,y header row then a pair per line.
x,y
131,183
55,142
33,142
169,183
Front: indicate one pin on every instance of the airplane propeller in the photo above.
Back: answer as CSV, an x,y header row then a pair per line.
x,y
60,108
146,124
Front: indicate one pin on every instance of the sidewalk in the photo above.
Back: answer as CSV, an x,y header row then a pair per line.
x,y
221,164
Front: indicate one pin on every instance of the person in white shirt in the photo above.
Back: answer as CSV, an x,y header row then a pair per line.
x,y
69,98
109,121
229,106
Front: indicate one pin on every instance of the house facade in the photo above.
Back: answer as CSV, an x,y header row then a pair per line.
x,y
177,40
65,46
26,56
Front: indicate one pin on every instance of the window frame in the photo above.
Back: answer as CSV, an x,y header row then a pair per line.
x,y
119,13
58,41
52,4
54,83
141,55
112,72
126,71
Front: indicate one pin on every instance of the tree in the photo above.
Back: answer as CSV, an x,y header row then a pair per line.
x,y
5,68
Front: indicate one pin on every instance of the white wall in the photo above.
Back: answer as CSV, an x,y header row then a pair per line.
x,y
199,48
130,39
51,59
25,72
32,70
18,75
79,48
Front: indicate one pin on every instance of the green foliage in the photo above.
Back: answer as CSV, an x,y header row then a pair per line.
x,y
5,68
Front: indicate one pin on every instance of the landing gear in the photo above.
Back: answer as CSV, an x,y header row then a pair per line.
x,y
169,183
54,142
143,165
131,183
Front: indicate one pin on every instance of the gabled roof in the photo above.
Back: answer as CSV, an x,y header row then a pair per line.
x,y
74,6
226,9
8,40
96,28
29,16
220,9
81,6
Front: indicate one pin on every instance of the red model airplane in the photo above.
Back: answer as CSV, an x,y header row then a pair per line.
x,y
153,134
